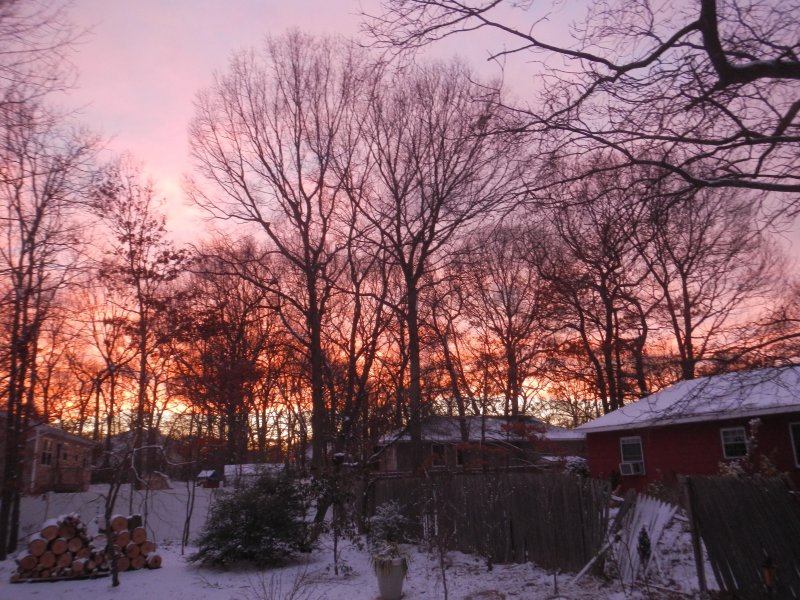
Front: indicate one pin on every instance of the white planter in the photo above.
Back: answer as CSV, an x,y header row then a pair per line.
x,y
390,572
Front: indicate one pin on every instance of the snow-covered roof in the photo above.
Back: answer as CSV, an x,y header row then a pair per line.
x,y
740,394
207,474
487,428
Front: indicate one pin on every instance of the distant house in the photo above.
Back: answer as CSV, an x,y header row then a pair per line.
x,y
54,460
490,441
698,426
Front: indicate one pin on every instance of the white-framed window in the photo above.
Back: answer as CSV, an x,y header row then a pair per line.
x,y
630,448
734,442
794,432
632,455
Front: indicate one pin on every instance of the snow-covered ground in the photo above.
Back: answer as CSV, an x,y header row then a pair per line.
x,y
312,577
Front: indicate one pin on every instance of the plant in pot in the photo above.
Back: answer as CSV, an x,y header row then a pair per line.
x,y
389,560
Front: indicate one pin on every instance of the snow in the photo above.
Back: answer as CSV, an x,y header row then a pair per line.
x,y
234,472
312,576
739,394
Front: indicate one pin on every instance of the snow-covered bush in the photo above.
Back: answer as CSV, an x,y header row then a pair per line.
x,y
576,465
388,523
263,523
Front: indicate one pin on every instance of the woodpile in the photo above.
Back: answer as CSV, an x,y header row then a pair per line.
x,y
63,549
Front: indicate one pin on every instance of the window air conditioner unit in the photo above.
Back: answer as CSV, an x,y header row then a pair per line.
x,y
631,468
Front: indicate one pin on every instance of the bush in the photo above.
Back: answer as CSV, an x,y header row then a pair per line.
x,y
263,524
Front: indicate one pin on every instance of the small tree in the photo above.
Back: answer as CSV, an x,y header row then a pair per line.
x,y
263,523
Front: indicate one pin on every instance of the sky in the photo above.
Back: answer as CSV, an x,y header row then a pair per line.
x,y
141,64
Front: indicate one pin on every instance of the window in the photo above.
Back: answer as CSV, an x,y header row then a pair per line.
x,y
47,452
437,455
734,442
631,449
794,430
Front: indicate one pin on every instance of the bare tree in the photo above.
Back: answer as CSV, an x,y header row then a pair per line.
x,y
703,90
597,275
226,340
43,171
267,135
140,266
510,306
35,37
714,270
436,177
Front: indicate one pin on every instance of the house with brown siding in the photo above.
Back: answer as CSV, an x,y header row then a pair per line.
x,y
54,460
701,427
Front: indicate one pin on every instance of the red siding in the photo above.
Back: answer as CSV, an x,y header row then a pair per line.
x,y
689,449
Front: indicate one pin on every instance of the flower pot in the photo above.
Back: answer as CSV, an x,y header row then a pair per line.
x,y
390,573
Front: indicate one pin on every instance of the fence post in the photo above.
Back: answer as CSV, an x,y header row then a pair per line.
x,y
696,540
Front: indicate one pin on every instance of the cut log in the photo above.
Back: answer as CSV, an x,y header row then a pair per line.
x,y
49,530
153,561
79,566
27,562
67,530
123,563
138,562
58,546
74,544
122,538
132,550
47,560
37,546
64,560
147,547
84,552
134,521
118,523
138,535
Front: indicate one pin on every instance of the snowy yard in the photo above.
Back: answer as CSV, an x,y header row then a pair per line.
x,y
312,577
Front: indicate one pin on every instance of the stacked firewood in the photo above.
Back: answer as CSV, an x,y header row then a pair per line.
x,y
134,550
63,549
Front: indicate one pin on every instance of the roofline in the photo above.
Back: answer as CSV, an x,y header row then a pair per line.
x,y
712,417
43,429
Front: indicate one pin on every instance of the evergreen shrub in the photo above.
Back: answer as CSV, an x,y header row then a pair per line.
x,y
263,523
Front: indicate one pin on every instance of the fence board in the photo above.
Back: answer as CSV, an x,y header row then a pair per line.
x,y
742,523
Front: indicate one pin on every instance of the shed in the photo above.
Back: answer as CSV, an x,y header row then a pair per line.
x,y
209,478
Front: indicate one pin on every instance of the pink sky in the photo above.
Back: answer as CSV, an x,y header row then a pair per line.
x,y
142,63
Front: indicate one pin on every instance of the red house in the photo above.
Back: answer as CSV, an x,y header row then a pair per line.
x,y
701,427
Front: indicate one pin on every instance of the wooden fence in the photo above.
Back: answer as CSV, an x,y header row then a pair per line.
x,y
746,526
557,521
